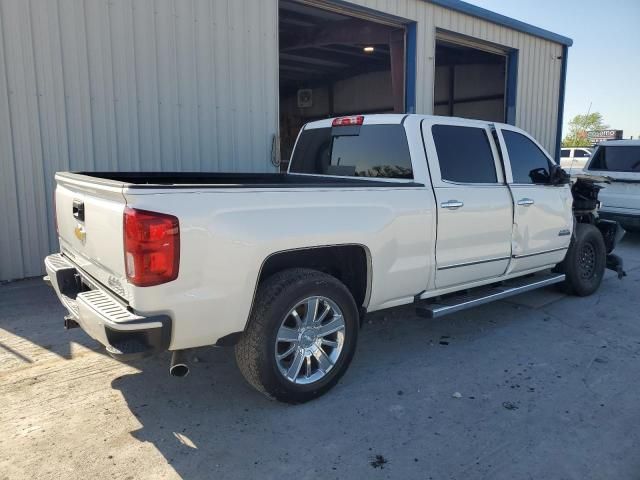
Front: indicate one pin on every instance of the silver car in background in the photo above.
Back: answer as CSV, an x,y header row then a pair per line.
x,y
619,162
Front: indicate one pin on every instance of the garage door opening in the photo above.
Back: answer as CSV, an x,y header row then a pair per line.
x,y
335,62
470,82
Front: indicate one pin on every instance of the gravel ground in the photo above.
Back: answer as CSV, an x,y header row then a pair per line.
x,y
540,386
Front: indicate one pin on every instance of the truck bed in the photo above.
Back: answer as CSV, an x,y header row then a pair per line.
x,y
136,180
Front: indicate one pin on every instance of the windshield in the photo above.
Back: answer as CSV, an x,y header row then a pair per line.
x,y
617,159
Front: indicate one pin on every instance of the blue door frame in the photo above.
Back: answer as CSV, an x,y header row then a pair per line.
x,y
511,93
410,68
563,82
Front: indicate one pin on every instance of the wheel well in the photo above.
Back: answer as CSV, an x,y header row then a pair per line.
x,y
348,263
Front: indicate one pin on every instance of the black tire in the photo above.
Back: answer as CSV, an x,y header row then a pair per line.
x,y
276,296
585,261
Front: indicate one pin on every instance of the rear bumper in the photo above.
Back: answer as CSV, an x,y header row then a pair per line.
x,y
125,334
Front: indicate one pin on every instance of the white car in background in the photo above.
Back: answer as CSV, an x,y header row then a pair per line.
x,y
619,161
573,160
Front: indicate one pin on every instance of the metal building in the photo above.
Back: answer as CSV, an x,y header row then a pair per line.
x,y
226,84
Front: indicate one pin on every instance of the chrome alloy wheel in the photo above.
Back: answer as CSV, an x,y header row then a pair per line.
x,y
310,340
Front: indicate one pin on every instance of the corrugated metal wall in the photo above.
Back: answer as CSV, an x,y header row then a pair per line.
x,y
177,85
539,65
126,85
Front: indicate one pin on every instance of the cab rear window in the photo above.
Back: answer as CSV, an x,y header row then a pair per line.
x,y
617,159
378,151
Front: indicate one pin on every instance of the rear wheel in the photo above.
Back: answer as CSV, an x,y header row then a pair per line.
x,y
301,335
585,262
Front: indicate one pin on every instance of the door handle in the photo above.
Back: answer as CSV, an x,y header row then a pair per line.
x,y
452,204
526,202
78,210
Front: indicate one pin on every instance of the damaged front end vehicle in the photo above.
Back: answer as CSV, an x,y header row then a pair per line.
x,y
586,205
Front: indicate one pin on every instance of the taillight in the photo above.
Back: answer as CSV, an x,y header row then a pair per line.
x,y
347,121
151,247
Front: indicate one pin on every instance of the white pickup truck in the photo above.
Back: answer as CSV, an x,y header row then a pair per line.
x,y
376,211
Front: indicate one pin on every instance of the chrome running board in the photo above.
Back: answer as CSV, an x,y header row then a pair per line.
x,y
440,306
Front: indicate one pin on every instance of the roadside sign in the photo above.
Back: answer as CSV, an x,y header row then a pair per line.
x,y
597,136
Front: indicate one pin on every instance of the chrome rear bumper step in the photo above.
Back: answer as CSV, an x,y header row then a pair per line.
x,y
126,334
481,295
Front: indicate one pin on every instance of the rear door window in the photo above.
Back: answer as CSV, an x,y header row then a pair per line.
x,y
528,163
617,159
464,154
380,151
565,152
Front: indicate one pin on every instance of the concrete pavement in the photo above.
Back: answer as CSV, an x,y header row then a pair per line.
x,y
548,388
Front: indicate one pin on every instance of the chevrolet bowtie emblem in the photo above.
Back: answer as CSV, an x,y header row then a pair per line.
x,y
80,233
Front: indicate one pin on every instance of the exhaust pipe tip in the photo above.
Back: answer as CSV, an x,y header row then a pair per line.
x,y
179,366
179,370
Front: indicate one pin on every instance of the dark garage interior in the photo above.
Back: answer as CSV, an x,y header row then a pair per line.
x,y
334,63
469,82
338,62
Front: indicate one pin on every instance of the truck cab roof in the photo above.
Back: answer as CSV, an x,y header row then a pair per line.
x,y
400,118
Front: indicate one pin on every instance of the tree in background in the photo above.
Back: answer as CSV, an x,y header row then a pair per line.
x,y
579,126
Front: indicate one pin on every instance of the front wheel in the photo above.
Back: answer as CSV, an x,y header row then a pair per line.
x,y
585,261
301,335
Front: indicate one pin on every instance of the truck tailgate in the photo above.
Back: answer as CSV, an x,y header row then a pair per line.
x,y
89,217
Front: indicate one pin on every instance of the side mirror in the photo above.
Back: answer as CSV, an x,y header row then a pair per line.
x,y
557,176
540,176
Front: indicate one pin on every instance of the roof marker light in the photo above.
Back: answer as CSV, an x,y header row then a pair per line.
x,y
348,121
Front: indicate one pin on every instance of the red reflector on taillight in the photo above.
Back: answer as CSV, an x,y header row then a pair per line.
x,y
347,121
151,247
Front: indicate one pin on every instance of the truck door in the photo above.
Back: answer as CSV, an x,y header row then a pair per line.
x,y
474,206
543,219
